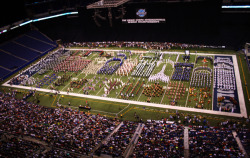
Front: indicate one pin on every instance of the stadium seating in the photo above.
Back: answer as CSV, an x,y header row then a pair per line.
x,y
80,133
10,62
40,36
34,44
213,141
244,135
3,72
22,51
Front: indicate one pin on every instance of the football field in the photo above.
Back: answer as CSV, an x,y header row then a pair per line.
x,y
122,82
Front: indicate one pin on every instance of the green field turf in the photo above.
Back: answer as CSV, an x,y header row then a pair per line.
x,y
111,109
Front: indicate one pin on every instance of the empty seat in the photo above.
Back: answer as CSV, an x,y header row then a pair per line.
x,y
10,61
34,44
20,51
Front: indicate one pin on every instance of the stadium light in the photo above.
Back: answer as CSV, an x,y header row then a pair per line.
x,y
235,6
27,22
35,20
106,4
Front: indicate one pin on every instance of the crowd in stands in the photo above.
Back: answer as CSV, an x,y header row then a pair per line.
x,y
160,139
57,153
244,135
15,147
71,133
213,142
144,45
87,135
53,125
119,141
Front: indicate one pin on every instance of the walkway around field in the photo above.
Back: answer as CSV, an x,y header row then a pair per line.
x,y
239,144
107,138
133,141
186,142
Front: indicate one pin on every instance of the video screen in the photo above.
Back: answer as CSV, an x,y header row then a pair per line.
x,y
145,14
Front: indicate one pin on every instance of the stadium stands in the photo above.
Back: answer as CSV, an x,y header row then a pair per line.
x,y
160,139
212,141
118,143
33,43
40,36
10,62
244,135
22,51
71,132
4,72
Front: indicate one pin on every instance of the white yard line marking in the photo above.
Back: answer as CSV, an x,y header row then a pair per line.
x,y
103,85
167,83
75,77
123,109
167,87
213,85
130,77
104,112
69,81
146,84
83,85
191,80
52,82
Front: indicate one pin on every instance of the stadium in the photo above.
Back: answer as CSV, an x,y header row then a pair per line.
x,y
125,78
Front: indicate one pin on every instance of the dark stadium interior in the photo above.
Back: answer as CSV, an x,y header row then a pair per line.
x,y
198,22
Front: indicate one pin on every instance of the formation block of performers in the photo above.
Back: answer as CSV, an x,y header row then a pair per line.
x,y
226,97
182,71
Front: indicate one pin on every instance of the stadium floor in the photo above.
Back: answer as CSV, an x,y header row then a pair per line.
x,y
243,112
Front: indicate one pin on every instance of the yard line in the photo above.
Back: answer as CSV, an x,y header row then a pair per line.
x,y
69,81
83,85
86,73
213,85
130,73
131,90
191,80
75,77
146,84
167,87
123,109
103,86
104,112
167,83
